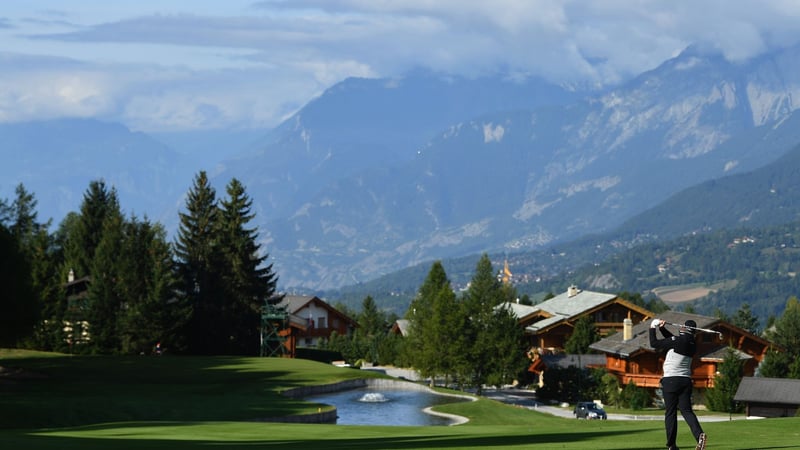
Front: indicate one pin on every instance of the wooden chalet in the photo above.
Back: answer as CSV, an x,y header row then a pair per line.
x,y
401,327
75,325
630,357
769,397
320,320
548,325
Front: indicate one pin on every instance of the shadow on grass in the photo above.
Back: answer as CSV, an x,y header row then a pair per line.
x,y
79,390
455,440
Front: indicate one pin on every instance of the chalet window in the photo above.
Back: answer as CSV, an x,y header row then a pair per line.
x,y
335,323
321,322
309,341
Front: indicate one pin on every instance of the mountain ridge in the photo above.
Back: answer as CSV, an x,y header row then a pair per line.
x,y
534,177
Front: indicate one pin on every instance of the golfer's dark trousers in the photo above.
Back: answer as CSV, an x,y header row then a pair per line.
x,y
678,396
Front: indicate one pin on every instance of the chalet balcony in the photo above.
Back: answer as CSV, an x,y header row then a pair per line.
x,y
654,381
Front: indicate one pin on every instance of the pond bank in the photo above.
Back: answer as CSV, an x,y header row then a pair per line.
x,y
329,416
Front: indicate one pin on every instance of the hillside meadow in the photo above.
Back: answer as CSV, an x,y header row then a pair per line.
x,y
54,401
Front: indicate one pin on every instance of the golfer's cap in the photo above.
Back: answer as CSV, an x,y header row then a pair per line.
x,y
690,324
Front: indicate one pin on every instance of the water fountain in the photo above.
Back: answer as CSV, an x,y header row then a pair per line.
x,y
373,397
370,406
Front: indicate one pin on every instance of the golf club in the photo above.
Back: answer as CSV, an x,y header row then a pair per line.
x,y
704,330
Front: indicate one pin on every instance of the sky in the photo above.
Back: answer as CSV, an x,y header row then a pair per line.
x,y
177,65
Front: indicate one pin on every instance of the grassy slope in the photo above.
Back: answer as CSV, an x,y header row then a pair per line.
x,y
180,403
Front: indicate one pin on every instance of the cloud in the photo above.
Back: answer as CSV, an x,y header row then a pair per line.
x,y
187,64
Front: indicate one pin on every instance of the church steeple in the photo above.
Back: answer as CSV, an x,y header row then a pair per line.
x,y
506,273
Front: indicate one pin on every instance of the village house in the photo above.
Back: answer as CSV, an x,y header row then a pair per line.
x,y
630,357
320,320
548,325
75,325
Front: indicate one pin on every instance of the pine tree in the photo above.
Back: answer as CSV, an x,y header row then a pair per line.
x,y
726,383
248,280
584,334
98,203
422,347
745,319
784,360
492,338
787,328
47,259
199,268
153,314
24,226
370,319
44,259
106,290
447,322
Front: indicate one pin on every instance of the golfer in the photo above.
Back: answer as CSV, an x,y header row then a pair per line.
x,y
677,381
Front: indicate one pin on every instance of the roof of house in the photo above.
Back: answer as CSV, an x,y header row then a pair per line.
x,y
564,306
719,354
615,343
294,303
402,326
769,390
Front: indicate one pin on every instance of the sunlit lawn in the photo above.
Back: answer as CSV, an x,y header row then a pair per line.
x,y
186,402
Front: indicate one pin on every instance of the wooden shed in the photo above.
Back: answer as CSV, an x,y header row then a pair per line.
x,y
769,397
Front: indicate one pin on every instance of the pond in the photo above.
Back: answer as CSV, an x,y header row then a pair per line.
x,y
373,406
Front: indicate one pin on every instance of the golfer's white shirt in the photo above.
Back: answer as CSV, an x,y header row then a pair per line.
x,y
677,365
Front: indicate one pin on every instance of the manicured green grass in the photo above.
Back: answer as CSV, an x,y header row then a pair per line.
x,y
181,403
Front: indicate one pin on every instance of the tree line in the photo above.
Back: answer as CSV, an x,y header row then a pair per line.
x,y
469,339
200,294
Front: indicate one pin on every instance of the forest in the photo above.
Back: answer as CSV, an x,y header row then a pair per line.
x,y
201,294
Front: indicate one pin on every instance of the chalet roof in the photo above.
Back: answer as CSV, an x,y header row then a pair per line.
x,y
294,303
565,306
641,339
769,390
720,353
401,325
78,281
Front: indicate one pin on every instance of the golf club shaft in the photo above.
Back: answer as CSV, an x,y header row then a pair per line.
x,y
705,330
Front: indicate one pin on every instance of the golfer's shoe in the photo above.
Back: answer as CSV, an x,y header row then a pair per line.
x,y
701,442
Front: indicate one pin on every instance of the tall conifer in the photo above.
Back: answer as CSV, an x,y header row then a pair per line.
x,y
492,351
199,268
248,280
106,296
152,314
98,202
423,348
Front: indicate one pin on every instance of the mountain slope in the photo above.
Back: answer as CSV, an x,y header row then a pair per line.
x,y
525,179
689,237
56,160
362,124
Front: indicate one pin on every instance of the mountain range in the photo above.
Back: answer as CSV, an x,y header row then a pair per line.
x,y
377,175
